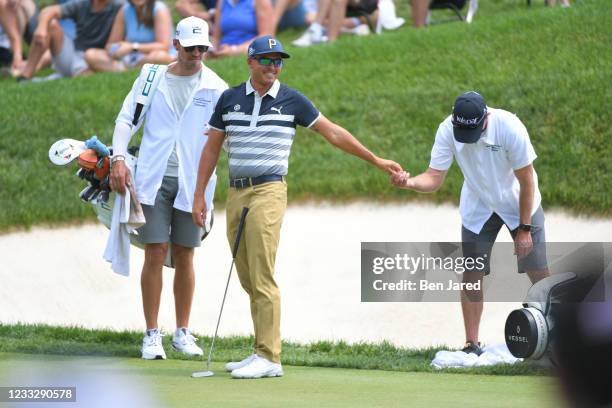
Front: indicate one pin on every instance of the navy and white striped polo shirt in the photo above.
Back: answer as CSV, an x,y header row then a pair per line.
x,y
259,130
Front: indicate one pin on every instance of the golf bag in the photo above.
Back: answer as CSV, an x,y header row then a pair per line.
x,y
104,211
94,167
529,330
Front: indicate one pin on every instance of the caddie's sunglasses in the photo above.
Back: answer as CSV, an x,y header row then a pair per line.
x,y
201,48
277,62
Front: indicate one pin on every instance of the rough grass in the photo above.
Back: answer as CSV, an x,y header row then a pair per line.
x,y
76,341
548,65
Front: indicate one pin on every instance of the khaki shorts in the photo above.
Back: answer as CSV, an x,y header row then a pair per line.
x,y
167,224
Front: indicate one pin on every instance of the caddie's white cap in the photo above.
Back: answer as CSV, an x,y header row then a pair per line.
x,y
192,31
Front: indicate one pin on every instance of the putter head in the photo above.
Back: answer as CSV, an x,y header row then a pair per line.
x,y
200,374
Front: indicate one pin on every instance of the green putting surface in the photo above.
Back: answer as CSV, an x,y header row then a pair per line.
x,y
169,384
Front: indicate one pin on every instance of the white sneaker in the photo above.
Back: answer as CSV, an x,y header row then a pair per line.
x,y
310,37
50,77
152,348
361,30
234,365
259,368
184,342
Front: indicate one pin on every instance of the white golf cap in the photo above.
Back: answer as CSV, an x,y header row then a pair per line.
x,y
192,31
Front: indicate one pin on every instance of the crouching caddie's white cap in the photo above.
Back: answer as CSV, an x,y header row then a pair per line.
x,y
192,31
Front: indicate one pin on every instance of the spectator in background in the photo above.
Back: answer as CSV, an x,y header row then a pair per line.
x,y
311,8
93,19
289,13
419,10
331,21
141,34
18,19
67,24
204,9
562,3
238,22
5,49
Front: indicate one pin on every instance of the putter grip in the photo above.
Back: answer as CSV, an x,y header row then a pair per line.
x,y
245,210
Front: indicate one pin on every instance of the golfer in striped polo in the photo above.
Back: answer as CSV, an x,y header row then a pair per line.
x,y
257,120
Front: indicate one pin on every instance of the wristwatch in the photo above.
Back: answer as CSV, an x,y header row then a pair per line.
x,y
118,157
135,46
525,227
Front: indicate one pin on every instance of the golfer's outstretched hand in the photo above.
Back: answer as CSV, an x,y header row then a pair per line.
x,y
119,177
198,213
389,166
400,179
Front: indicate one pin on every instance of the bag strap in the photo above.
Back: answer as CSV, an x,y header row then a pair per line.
x,y
150,75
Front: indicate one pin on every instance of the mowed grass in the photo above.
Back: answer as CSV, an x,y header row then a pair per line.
x,y
76,341
100,380
548,65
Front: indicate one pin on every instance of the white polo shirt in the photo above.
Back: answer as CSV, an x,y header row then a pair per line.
x,y
488,168
165,129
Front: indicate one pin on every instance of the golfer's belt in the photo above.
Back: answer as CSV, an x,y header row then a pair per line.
x,y
244,182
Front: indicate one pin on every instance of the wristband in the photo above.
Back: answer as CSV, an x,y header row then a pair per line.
x,y
118,157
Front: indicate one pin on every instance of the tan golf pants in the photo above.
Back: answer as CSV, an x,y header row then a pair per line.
x,y
256,257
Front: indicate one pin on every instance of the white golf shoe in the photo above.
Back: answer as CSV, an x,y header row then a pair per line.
x,y
234,365
184,342
152,348
259,368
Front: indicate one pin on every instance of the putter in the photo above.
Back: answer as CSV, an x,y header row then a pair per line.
x,y
209,373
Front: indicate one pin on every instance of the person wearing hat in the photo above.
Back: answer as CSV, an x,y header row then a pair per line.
x,y
495,155
257,120
173,138
93,19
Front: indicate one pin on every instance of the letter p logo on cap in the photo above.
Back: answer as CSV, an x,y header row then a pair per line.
x,y
266,45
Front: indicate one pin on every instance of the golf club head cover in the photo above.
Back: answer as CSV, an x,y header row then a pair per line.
x,y
64,151
98,146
